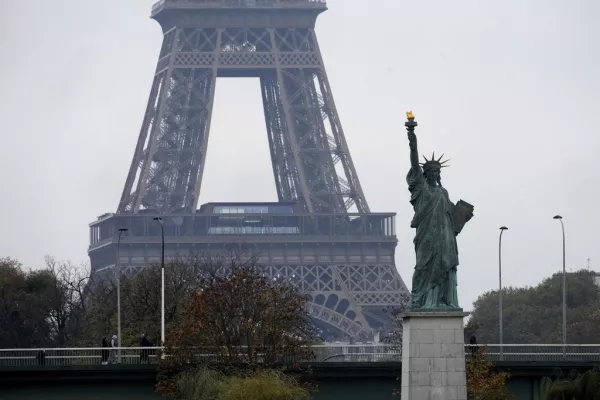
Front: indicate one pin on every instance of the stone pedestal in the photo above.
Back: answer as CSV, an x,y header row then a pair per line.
x,y
433,356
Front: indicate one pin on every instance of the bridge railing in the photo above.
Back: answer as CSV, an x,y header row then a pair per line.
x,y
148,355
493,352
77,356
29,358
538,352
357,353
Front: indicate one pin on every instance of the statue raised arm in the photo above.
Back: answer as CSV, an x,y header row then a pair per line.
x,y
411,124
437,222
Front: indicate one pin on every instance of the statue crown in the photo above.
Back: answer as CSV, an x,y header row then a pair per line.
x,y
432,164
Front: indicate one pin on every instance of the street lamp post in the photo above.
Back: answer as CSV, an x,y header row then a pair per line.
x,y
500,320
162,281
564,287
118,272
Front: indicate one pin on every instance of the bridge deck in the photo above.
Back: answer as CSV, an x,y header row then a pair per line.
x,y
103,358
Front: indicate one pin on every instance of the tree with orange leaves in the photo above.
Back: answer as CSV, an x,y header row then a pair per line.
x,y
246,318
239,320
483,383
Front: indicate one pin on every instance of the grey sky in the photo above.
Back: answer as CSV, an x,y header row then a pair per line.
x,y
508,90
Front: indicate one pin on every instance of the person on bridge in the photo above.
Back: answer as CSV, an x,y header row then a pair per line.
x,y
473,344
144,354
41,355
113,349
104,352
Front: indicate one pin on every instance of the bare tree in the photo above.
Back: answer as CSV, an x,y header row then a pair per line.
x,y
246,318
141,295
184,276
65,298
99,319
42,307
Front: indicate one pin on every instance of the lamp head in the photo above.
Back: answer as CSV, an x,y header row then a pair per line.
x,y
123,229
557,217
503,228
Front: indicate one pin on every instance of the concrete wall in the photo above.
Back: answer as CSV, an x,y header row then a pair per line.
x,y
347,381
332,389
525,388
138,390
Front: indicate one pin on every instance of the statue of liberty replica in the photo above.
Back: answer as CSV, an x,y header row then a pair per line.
x,y
433,328
438,221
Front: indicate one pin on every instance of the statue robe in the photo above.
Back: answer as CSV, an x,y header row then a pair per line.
x,y
434,279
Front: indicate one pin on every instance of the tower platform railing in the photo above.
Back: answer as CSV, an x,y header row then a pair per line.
x,y
174,4
373,226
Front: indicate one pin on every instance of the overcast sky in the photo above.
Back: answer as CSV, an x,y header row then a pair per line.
x,y
509,90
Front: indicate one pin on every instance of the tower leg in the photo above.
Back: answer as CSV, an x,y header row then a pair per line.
x,y
126,204
310,155
168,164
281,152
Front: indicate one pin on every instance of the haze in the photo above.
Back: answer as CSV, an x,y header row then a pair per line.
x,y
508,90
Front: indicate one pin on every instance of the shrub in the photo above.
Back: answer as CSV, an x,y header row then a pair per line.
x,y
207,384
267,385
200,384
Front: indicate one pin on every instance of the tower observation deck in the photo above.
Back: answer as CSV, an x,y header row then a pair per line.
x,y
321,234
242,4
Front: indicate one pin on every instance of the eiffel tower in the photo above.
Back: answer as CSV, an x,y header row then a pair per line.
x,y
320,235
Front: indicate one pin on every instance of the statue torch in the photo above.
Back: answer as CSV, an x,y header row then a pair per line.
x,y
410,123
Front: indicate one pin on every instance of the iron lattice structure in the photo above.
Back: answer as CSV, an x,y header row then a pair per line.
x,y
331,245
311,160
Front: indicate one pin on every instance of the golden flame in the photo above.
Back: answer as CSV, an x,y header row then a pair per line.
x,y
410,115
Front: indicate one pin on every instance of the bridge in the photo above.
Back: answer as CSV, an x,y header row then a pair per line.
x,y
30,359
348,371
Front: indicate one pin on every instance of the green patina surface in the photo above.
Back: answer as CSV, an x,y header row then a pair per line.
x,y
437,222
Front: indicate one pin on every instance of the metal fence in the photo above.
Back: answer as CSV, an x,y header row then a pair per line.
x,y
493,352
148,355
538,352
68,357
357,353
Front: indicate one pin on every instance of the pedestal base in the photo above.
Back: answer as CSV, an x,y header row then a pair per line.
x,y
433,356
